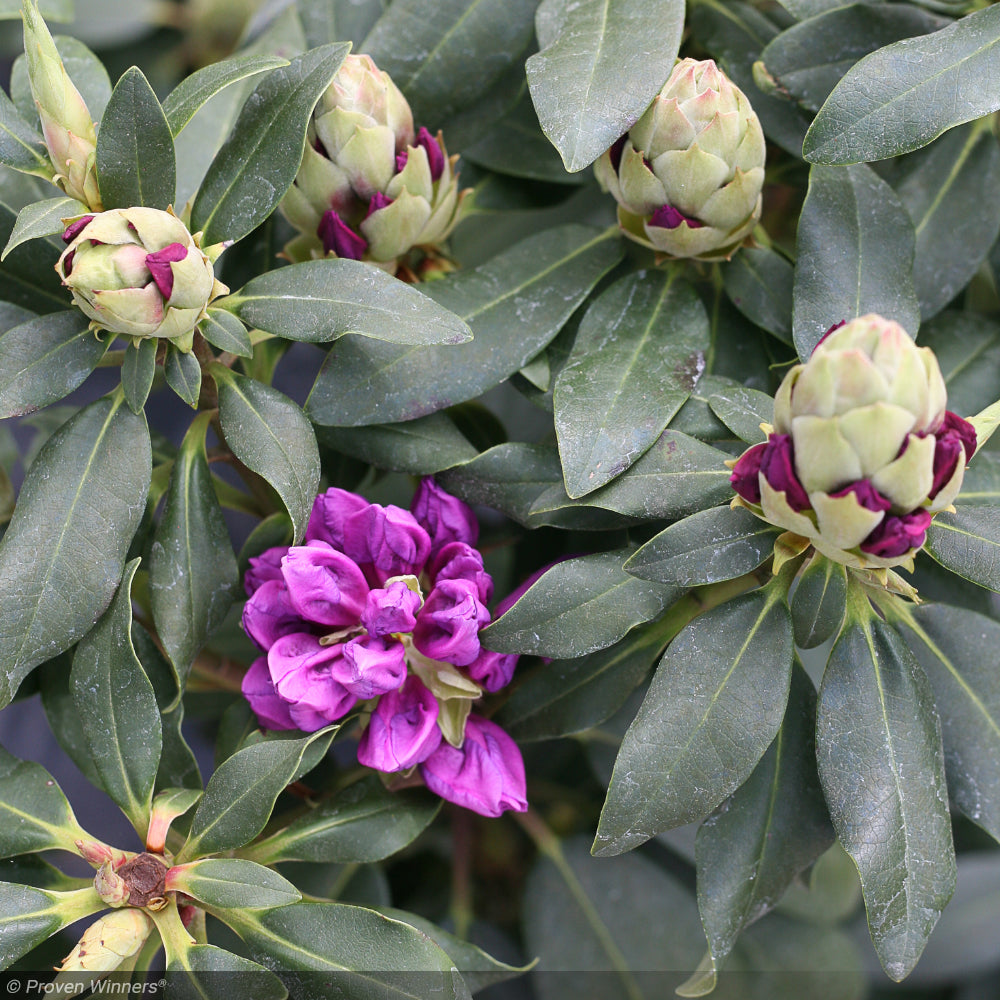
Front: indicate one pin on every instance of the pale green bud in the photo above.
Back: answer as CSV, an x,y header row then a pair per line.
x,y
107,942
688,175
110,886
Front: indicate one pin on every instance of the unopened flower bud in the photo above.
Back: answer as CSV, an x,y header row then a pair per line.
x,y
139,272
97,853
112,888
688,175
107,942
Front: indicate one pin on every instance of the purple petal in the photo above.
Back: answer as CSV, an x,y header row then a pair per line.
x,y
403,729
258,689
458,561
373,666
616,150
401,159
324,585
266,566
947,451
386,542
75,228
337,237
668,217
745,476
269,614
486,774
159,266
778,467
836,326
954,424
866,495
435,156
306,676
378,202
492,671
446,518
896,536
448,625
392,609
330,511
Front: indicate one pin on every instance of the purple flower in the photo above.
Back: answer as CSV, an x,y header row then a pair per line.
x,y
159,266
386,542
448,625
375,666
492,671
378,202
866,495
435,156
745,477
324,585
308,676
458,561
269,614
329,515
337,237
778,467
266,566
258,689
668,217
392,609
952,436
75,228
485,774
895,536
446,518
403,729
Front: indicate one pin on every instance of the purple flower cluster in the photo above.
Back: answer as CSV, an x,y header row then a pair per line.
x,y
381,608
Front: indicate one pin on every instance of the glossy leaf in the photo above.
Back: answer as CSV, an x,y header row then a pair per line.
x,y
118,709
967,347
534,287
44,359
28,916
743,410
635,360
42,218
772,827
339,20
707,547
194,91
183,374
913,91
878,747
224,331
27,274
578,606
361,824
138,371
64,551
241,794
272,437
63,718
981,485
192,568
855,252
819,602
258,162
135,150
21,145
758,282
601,64
715,704
206,972
968,543
321,300
232,882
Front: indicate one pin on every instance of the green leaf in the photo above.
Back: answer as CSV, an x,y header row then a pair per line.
x,y
138,371
808,60
601,64
45,359
201,86
363,823
758,282
192,568
361,953
819,602
36,815
29,916
63,718
743,410
118,709
205,972
51,10
224,331
231,882
771,828
715,704
455,50
636,358
947,189
42,218
258,162
967,346
64,551
878,747
981,485
533,288
713,545
241,794
855,253
321,300
272,437
968,543
21,146
339,20
183,374
956,648
578,606
27,274
906,94
135,150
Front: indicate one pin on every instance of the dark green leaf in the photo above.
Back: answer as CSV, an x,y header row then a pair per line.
x,y
135,150
21,145
981,485
906,94
855,253
707,547
635,360
201,86
205,972
232,882
192,568
743,411
29,916
241,794
339,20
258,162
773,826
64,720
321,300
183,374
601,64
532,288
968,543
758,282
118,708
138,370
819,602
967,346
27,274
715,704
878,747
224,331
271,436
361,824
42,218
45,359
578,606
64,551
